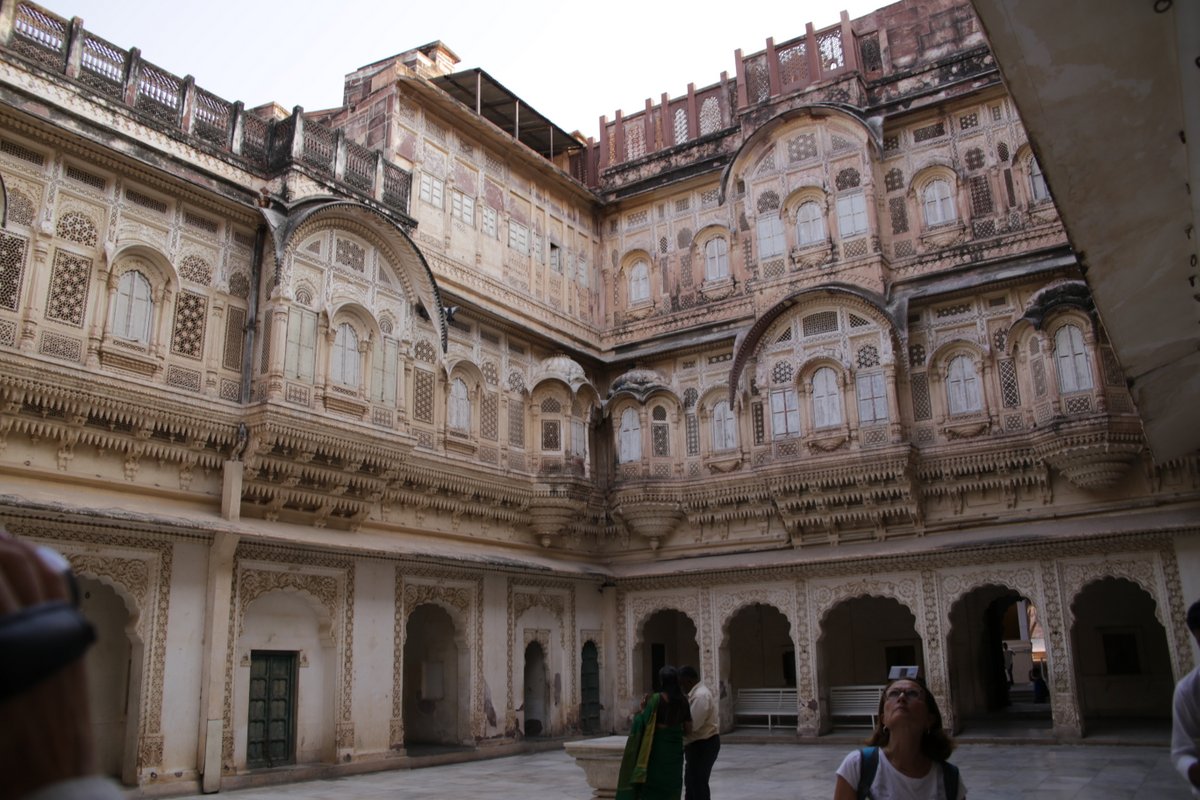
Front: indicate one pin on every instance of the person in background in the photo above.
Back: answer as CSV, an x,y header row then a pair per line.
x,y
46,747
906,755
1185,713
652,766
701,746
1008,662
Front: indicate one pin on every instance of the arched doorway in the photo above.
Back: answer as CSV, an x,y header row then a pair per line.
x,y
113,665
861,639
668,637
757,650
436,676
285,682
983,624
589,687
537,691
1121,657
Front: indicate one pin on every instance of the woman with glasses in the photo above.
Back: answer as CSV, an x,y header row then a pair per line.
x,y
906,754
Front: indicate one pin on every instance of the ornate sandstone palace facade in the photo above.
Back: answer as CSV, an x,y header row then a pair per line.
x,y
420,421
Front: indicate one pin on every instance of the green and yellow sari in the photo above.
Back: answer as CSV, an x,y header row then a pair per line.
x,y
652,766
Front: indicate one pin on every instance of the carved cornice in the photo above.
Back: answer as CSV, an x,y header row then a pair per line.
x,y
871,490
110,415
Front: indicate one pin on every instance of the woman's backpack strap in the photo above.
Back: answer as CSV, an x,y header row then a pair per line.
x,y
950,778
868,765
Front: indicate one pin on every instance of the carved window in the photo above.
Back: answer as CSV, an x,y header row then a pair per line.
x,y
872,398
12,269
681,126
76,227
1010,389
1074,372
770,235
1037,182
68,288
630,442
191,312
852,215
785,413
635,139
552,434
423,395
660,433
810,224
516,423
922,408
962,386
578,438
432,190
938,203
344,361
462,207
491,224
710,116
827,399
639,283
518,237
459,417
383,372
724,427
133,308
691,427
301,353
489,416
235,338
716,259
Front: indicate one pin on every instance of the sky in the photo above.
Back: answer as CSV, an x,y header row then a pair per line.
x,y
572,62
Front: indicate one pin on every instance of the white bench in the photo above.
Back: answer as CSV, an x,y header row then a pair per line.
x,y
855,701
768,703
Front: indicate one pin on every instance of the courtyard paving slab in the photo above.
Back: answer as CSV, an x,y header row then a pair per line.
x,y
772,772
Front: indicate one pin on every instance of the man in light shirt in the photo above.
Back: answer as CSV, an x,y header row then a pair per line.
x,y
703,743
1185,731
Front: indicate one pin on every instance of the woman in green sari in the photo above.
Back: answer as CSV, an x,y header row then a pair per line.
x,y
652,767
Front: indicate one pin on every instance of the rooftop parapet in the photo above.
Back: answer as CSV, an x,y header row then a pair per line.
x,y
163,100
838,64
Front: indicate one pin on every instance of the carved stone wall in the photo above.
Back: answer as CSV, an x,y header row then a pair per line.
x,y
139,569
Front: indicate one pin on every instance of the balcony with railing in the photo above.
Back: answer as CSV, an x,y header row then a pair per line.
x,y
160,99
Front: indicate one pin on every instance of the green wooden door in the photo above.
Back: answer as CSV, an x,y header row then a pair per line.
x,y
270,735
589,684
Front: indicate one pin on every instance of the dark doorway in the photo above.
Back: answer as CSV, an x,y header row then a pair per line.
x,y
271,729
537,689
589,684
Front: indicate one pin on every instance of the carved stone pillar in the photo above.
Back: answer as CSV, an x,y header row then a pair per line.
x,y
1064,696
937,670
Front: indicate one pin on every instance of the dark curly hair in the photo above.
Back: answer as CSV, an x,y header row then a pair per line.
x,y
936,744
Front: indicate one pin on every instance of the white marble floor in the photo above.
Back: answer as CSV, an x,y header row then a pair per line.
x,y
773,772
